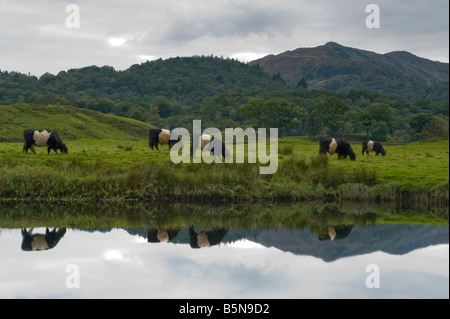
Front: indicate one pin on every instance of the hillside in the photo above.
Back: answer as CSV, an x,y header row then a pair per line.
x,y
183,80
70,122
339,68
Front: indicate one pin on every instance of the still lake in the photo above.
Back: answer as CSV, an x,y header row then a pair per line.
x,y
201,251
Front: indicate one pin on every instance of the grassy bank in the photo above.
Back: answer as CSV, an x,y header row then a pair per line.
x,y
70,122
113,170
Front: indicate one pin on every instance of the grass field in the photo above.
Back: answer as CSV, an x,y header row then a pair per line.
x,y
124,170
70,122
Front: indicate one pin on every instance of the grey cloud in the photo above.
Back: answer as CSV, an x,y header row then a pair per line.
x,y
239,20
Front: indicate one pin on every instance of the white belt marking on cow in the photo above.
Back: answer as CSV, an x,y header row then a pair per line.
x,y
204,140
331,232
164,137
370,146
163,236
202,240
333,146
41,138
39,242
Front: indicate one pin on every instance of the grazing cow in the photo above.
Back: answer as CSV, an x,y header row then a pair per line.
x,y
205,140
43,138
35,242
160,136
371,146
206,238
341,147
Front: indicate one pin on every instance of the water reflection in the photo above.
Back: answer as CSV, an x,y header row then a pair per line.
x,y
304,251
36,242
336,232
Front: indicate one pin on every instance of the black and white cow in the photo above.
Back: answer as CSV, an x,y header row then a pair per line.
x,y
159,235
206,238
205,140
336,232
43,138
35,242
160,136
372,146
339,146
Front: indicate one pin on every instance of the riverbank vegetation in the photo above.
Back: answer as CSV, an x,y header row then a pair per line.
x,y
111,170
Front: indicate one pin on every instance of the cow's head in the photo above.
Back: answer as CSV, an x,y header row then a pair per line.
x,y
63,148
352,156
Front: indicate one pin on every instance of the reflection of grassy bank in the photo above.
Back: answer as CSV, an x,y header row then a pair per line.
x,y
313,215
120,171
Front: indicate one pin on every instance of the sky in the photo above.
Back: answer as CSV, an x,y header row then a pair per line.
x,y
39,36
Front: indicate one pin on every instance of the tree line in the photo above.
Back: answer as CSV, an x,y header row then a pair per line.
x,y
227,93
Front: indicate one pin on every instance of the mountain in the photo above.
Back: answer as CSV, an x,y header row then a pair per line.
x,y
336,67
70,122
397,239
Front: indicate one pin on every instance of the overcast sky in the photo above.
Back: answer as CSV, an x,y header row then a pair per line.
x,y
39,36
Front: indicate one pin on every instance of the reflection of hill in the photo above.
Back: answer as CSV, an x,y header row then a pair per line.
x,y
390,238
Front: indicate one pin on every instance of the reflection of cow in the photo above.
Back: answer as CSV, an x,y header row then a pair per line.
x,y
161,235
332,145
51,140
371,146
336,232
33,242
160,136
206,238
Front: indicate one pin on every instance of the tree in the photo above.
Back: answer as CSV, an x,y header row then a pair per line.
x,y
313,124
332,112
427,126
419,121
253,111
302,84
164,107
274,113
375,120
104,105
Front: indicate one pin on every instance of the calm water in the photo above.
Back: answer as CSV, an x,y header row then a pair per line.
x,y
333,260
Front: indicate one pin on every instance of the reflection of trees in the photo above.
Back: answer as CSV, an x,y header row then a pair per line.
x,y
313,215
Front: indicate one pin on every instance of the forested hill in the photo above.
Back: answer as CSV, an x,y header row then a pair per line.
x,y
227,93
185,80
339,68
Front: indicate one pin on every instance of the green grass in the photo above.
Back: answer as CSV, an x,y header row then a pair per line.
x,y
126,170
70,122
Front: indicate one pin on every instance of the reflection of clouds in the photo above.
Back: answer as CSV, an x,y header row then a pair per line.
x,y
113,255
177,271
245,244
